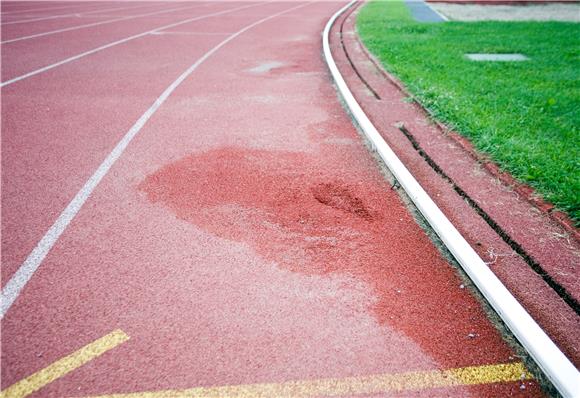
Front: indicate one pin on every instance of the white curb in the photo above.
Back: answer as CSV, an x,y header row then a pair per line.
x,y
545,353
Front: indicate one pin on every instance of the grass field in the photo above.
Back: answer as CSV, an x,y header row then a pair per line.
x,y
524,115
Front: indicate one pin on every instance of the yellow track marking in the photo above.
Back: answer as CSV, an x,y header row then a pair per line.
x,y
352,385
64,365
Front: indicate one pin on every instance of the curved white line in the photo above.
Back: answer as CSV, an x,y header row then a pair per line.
x,y
35,19
21,277
39,9
88,25
545,353
112,44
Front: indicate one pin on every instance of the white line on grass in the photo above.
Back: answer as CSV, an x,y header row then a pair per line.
x,y
21,277
112,44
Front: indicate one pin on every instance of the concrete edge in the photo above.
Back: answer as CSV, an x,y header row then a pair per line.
x,y
545,353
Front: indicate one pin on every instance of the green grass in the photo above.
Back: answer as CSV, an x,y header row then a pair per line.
x,y
524,115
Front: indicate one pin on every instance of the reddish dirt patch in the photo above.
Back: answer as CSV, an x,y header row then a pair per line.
x,y
309,216
340,198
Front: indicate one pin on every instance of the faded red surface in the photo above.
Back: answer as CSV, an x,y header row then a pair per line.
x,y
246,235
66,126
317,220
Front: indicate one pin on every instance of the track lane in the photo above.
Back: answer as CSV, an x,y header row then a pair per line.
x,y
53,143
12,32
23,70
96,7
47,9
37,26
210,290
82,14
89,24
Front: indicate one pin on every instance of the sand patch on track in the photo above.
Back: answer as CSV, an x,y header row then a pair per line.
x,y
308,215
535,12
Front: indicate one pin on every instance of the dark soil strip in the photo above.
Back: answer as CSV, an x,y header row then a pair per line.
x,y
368,86
534,265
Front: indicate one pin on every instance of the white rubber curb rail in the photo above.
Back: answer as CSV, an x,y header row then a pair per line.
x,y
549,358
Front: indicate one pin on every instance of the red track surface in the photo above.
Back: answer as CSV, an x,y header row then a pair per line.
x,y
246,234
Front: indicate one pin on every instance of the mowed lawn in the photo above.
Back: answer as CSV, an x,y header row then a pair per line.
x,y
524,115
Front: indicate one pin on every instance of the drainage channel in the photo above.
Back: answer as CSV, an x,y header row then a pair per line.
x,y
516,247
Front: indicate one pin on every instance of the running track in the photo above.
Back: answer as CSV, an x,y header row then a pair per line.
x,y
242,233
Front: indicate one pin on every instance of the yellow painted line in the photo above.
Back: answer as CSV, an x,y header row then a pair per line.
x,y
376,384
64,365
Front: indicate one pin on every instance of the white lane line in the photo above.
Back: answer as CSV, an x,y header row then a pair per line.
x,y
21,277
193,33
88,25
36,9
39,9
561,372
115,43
35,19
